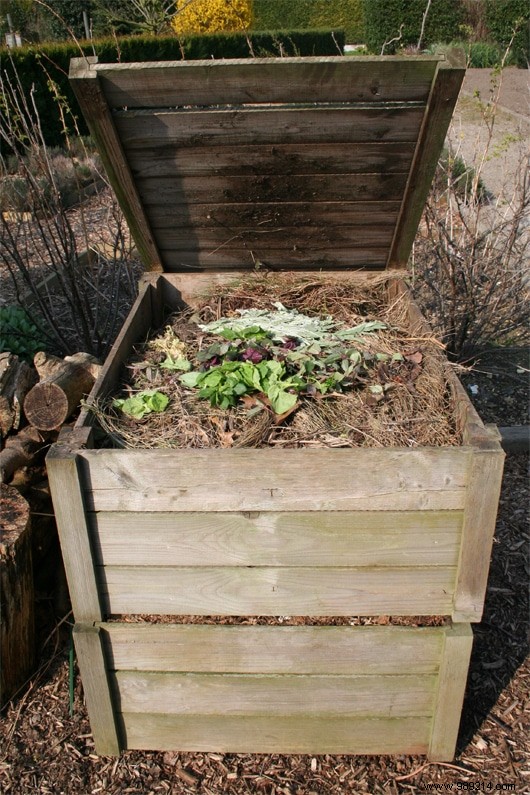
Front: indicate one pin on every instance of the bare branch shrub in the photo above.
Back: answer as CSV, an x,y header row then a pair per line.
x,y
471,258
76,284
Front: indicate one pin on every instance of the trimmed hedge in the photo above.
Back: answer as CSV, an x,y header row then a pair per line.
x,y
35,66
505,16
382,19
299,14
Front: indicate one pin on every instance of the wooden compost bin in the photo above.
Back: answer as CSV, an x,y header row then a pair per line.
x,y
300,164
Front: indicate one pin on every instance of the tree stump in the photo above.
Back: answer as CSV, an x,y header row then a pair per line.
x,y
17,622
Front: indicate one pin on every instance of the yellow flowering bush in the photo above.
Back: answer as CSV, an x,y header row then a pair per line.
x,y
211,16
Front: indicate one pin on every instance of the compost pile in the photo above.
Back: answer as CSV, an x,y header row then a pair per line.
x,y
280,360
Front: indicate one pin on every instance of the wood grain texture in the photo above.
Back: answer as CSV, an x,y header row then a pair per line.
x,y
279,695
279,188
135,328
271,126
261,480
230,216
450,696
238,591
287,159
482,500
299,257
374,79
286,735
69,508
93,103
440,106
96,688
430,538
273,650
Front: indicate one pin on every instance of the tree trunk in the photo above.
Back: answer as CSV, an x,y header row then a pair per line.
x,y
63,384
17,626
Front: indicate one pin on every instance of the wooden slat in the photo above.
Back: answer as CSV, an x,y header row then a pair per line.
x,y
442,100
263,214
279,695
303,258
96,688
275,237
277,591
291,480
450,695
277,539
267,126
321,158
177,189
135,329
286,735
69,508
482,500
92,101
273,649
336,79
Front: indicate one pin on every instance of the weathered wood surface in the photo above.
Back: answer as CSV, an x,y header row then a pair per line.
x,y
376,696
333,187
294,158
278,734
22,449
372,79
73,534
450,696
325,130
17,613
262,214
440,106
93,669
428,538
269,126
482,500
97,114
274,591
273,650
135,328
260,480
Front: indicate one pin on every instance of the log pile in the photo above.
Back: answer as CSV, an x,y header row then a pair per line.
x,y
36,401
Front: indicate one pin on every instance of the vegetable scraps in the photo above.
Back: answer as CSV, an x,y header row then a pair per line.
x,y
279,355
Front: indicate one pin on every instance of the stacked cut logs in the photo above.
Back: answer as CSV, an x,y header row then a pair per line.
x,y
46,395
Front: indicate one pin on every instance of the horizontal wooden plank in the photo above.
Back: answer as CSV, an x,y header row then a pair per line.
x,y
291,480
301,258
154,84
321,238
285,694
332,187
273,649
239,591
286,735
267,126
314,538
264,214
317,158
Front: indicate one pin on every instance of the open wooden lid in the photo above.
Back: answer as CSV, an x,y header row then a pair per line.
x,y
286,163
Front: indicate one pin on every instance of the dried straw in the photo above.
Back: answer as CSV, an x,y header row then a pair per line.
x,y
417,411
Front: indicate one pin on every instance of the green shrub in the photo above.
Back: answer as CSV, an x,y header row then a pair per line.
x,y
383,19
40,67
479,54
305,14
18,334
503,17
